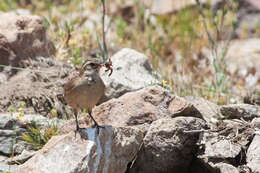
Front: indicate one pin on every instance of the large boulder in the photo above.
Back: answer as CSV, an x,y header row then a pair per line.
x,y
168,146
131,71
22,37
143,107
108,152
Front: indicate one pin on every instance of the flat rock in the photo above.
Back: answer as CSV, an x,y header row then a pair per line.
x,y
110,152
166,147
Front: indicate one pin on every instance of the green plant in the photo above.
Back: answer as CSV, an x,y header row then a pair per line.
x,y
37,138
121,27
53,113
218,51
7,172
6,5
11,109
21,110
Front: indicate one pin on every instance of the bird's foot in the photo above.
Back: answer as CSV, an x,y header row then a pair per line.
x,y
98,127
78,130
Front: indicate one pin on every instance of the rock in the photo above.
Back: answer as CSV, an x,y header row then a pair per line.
x,y
24,156
132,71
40,89
143,106
166,148
160,7
110,152
209,111
23,37
226,168
253,155
245,111
256,123
223,149
7,121
5,167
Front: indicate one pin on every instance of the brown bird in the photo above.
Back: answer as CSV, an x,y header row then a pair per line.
x,y
85,90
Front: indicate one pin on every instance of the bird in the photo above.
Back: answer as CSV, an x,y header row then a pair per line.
x,y
84,90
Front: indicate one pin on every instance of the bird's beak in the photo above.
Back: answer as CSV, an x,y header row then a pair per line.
x,y
100,65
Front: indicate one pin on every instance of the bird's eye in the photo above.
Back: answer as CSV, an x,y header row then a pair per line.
x,y
93,65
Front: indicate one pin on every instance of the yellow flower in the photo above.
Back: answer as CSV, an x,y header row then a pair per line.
x,y
164,82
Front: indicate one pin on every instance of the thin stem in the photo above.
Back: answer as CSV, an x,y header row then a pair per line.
x,y
103,30
204,24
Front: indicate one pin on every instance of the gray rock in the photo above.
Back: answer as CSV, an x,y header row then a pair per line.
x,y
6,133
209,111
132,71
166,147
7,145
237,111
253,155
7,121
108,152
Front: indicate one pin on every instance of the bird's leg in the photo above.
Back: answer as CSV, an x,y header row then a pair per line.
x,y
95,122
76,119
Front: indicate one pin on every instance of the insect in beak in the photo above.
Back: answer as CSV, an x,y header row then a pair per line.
x,y
109,67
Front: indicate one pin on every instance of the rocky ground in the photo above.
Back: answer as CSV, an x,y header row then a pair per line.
x,y
147,127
